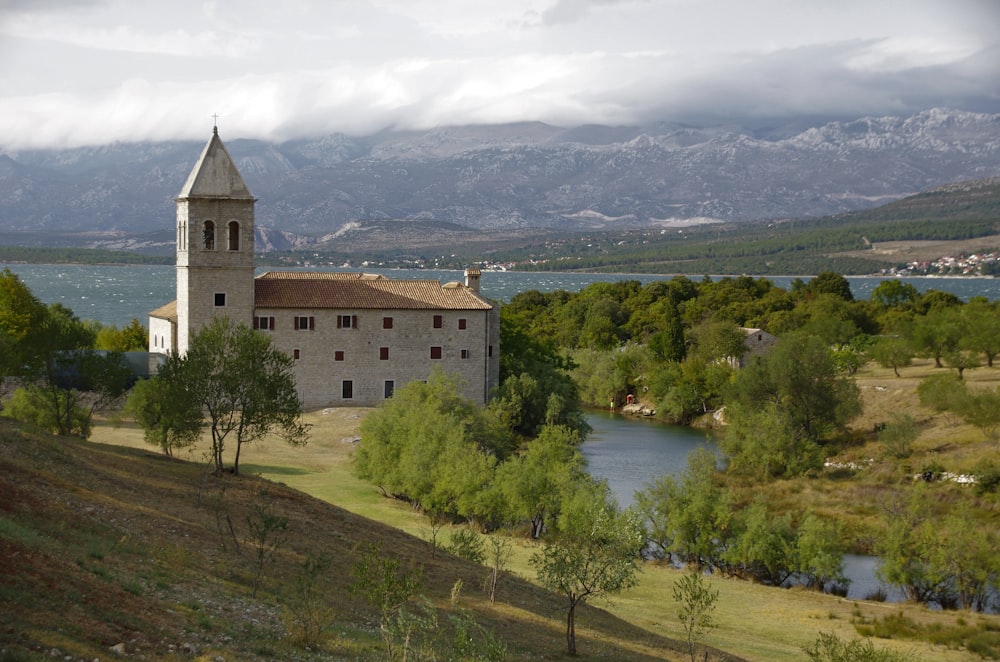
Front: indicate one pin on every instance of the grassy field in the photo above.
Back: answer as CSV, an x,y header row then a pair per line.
x,y
754,622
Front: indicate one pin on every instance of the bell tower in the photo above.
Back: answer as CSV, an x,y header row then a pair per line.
x,y
215,242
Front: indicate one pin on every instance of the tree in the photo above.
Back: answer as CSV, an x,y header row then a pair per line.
x,y
22,317
830,282
798,385
245,386
533,484
937,333
982,331
387,586
899,434
427,445
820,551
892,352
910,549
688,516
696,602
130,338
168,412
594,552
764,547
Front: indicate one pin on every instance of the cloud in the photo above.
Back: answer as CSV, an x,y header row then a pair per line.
x,y
78,72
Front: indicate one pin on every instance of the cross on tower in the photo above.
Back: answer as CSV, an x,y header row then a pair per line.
x,y
215,122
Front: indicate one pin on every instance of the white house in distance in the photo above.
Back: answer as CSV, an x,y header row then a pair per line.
x,y
355,337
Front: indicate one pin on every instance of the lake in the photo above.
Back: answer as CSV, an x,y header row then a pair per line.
x,y
116,294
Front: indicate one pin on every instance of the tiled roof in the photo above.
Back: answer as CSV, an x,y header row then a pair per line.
x,y
167,312
360,291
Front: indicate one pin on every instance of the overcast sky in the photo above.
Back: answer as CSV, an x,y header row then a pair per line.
x,y
78,72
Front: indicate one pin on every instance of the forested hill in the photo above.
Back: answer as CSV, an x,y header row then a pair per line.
x,y
957,219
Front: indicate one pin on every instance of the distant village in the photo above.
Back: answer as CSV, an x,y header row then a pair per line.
x,y
977,264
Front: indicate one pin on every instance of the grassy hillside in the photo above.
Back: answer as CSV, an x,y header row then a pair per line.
x,y
111,543
105,545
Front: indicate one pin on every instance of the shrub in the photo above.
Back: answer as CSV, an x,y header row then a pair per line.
x,y
468,544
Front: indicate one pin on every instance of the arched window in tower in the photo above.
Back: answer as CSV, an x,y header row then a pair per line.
x,y
208,236
234,236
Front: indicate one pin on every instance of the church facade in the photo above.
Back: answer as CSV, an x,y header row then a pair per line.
x,y
354,337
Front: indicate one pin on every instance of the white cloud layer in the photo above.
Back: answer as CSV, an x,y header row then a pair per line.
x,y
77,72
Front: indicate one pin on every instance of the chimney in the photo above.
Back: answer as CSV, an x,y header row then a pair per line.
x,y
472,279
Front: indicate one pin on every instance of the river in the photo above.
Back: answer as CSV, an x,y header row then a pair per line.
x,y
627,452
630,453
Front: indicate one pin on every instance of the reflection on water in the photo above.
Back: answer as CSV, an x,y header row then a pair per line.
x,y
629,453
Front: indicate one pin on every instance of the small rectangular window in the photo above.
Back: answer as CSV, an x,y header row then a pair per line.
x,y
348,389
435,352
386,322
461,323
465,353
338,355
295,354
220,299
264,323
390,386
438,321
347,321
489,351
383,353
305,323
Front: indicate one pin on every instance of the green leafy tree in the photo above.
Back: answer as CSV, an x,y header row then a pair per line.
x,y
690,515
168,412
910,549
534,483
535,385
982,328
945,394
245,386
829,282
696,601
937,333
387,586
432,446
131,338
763,547
970,556
982,410
781,407
594,552
22,317
892,352
899,434
820,551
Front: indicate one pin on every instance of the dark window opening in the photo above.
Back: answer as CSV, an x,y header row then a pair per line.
x,y
435,352
386,322
295,354
234,236
461,323
220,299
348,389
208,236
338,355
390,386
465,353
438,321
305,323
347,321
383,353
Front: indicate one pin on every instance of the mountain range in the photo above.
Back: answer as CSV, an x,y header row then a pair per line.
x,y
493,183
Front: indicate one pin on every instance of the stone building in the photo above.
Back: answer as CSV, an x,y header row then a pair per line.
x,y
355,337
